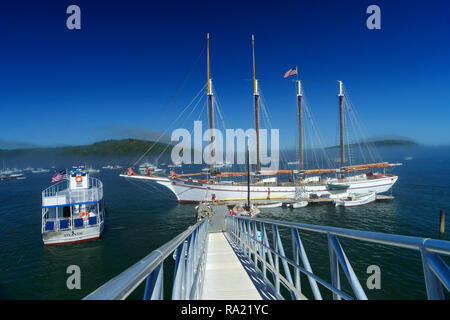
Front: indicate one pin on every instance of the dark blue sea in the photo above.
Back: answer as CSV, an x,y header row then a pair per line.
x,y
141,217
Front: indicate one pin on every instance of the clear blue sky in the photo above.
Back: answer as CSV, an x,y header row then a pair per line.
x,y
119,73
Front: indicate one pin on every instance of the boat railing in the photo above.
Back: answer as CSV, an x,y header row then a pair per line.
x,y
55,188
71,223
251,236
63,195
190,259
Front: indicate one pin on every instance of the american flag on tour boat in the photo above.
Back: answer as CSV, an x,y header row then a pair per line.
x,y
291,72
59,176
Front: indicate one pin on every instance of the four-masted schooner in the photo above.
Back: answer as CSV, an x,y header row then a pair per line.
x,y
188,189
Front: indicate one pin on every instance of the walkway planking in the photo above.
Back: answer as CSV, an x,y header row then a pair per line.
x,y
225,277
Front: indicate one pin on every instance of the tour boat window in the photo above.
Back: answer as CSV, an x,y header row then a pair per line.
x,y
66,212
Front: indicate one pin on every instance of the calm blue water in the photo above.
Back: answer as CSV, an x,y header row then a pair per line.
x,y
142,217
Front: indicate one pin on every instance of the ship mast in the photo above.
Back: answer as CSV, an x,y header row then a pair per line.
x,y
248,178
341,99
211,111
256,94
300,149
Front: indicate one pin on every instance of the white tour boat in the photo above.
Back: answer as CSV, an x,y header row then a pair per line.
x,y
352,200
73,210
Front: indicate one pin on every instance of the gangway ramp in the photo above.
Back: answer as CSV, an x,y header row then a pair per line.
x,y
225,276
232,258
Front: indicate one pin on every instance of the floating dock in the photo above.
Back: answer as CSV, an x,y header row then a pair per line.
x,y
285,201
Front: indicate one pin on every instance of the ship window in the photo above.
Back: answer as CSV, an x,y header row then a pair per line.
x,y
51,213
66,212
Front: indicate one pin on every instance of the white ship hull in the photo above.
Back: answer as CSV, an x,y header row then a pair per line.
x,y
73,236
194,192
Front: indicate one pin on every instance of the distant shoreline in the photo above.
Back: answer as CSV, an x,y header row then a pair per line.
x,y
101,148
127,147
384,143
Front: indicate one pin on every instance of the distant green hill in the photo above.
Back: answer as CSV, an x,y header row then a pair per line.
x,y
386,143
102,148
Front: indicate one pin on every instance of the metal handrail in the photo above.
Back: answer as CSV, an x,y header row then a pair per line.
x,y
93,193
85,225
190,247
250,236
55,188
253,241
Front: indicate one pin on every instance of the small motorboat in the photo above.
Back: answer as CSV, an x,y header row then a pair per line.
x,y
270,205
334,186
244,210
110,167
355,200
41,170
299,204
18,176
145,166
12,176
92,170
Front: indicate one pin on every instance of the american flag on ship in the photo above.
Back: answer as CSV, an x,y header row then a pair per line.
x,y
59,176
291,72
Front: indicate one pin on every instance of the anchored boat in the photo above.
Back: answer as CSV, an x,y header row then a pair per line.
x,y
270,205
353,200
73,210
92,170
245,210
331,182
332,186
299,204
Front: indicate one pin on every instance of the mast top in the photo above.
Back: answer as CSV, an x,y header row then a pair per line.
x,y
255,82
209,84
299,88
341,89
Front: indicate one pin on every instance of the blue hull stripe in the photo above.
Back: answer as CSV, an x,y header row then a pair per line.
x,y
70,204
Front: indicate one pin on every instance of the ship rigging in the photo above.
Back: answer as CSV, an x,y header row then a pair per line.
x,y
191,187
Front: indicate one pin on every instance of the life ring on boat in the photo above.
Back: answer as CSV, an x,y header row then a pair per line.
x,y
78,178
84,215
